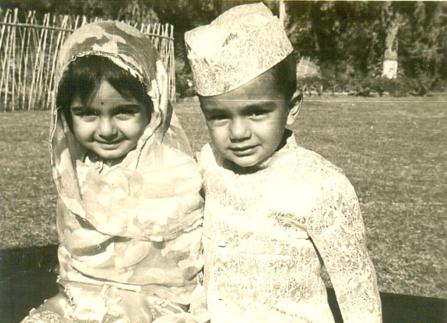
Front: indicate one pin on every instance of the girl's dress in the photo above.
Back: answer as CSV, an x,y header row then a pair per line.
x,y
267,233
130,234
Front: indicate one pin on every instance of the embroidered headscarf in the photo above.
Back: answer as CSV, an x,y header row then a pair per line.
x,y
136,225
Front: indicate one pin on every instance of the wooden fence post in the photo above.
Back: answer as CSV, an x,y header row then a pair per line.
x,y
28,54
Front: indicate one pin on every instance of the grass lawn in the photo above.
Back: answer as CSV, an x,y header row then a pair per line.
x,y
393,150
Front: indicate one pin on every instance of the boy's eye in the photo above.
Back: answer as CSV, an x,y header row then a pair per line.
x,y
256,114
216,117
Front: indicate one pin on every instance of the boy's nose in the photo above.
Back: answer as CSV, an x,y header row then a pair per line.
x,y
239,130
106,128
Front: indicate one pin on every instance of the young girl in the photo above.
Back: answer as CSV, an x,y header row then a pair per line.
x,y
129,209
274,212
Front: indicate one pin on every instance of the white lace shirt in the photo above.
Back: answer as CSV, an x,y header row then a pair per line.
x,y
267,233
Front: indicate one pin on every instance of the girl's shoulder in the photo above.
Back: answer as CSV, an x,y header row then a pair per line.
x,y
205,155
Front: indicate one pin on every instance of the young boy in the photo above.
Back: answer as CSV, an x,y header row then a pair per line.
x,y
274,211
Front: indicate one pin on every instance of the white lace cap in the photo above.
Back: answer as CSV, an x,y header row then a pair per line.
x,y
235,48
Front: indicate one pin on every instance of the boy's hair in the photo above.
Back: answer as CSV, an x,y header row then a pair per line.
x,y
84,76
284,74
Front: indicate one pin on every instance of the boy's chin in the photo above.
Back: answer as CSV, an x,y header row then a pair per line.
x,y
243,165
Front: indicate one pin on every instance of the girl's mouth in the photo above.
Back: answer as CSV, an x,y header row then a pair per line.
x,y
109,145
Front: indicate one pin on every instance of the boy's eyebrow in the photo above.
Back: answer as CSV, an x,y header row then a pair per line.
x,y
260,104
214,109
265,104
248,99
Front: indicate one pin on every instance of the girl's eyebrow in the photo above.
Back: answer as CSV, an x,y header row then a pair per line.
x,y
81,107
127,107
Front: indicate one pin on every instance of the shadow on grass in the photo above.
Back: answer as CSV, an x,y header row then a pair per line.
x,y
28,277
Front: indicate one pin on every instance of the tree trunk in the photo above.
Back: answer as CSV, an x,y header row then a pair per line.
x,y
390,57
282,12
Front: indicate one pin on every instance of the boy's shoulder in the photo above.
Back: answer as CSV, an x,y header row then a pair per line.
x,y
305,179
305,163
293,162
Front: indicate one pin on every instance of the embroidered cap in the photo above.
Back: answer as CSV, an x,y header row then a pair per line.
x,y
235,48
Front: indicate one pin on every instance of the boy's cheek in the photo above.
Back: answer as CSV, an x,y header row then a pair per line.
x,y
215,131
218,138
215,137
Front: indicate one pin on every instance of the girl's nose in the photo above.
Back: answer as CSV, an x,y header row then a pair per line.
x,y
239,130
106,128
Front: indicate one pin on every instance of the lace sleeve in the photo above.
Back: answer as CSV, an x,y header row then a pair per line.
x,y
337,230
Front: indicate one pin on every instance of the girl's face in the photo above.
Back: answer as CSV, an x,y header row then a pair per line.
x,y
110,125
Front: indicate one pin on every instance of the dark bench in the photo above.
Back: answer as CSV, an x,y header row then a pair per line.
x,y
28,276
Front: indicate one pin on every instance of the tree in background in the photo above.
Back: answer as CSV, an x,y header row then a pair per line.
x,y
391,21
349,40
341,36
423,40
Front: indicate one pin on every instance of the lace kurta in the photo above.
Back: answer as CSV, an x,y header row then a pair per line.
x,y
130,234
263,235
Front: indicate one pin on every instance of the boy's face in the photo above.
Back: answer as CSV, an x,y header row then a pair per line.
x,y
247,124
109,125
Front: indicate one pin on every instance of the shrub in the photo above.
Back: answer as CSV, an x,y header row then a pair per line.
x,y
367,86
312,85
183,79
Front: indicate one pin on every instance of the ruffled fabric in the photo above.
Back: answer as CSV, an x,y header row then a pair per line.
x,y
266,234
130,234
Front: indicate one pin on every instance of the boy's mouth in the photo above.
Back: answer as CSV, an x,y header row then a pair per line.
x,y
243,151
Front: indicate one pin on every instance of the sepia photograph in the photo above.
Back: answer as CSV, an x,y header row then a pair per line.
x,y
223,161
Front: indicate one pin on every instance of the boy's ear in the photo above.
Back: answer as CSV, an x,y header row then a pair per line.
x,y
294,107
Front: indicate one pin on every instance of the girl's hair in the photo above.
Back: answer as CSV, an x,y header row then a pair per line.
x,y
84,76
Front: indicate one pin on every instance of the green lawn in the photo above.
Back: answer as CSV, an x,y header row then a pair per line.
x,y
393,150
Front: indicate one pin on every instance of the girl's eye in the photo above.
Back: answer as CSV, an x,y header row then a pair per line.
x,y
84,113
126,114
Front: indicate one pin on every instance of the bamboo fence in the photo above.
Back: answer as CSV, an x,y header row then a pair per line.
x,y
28,50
